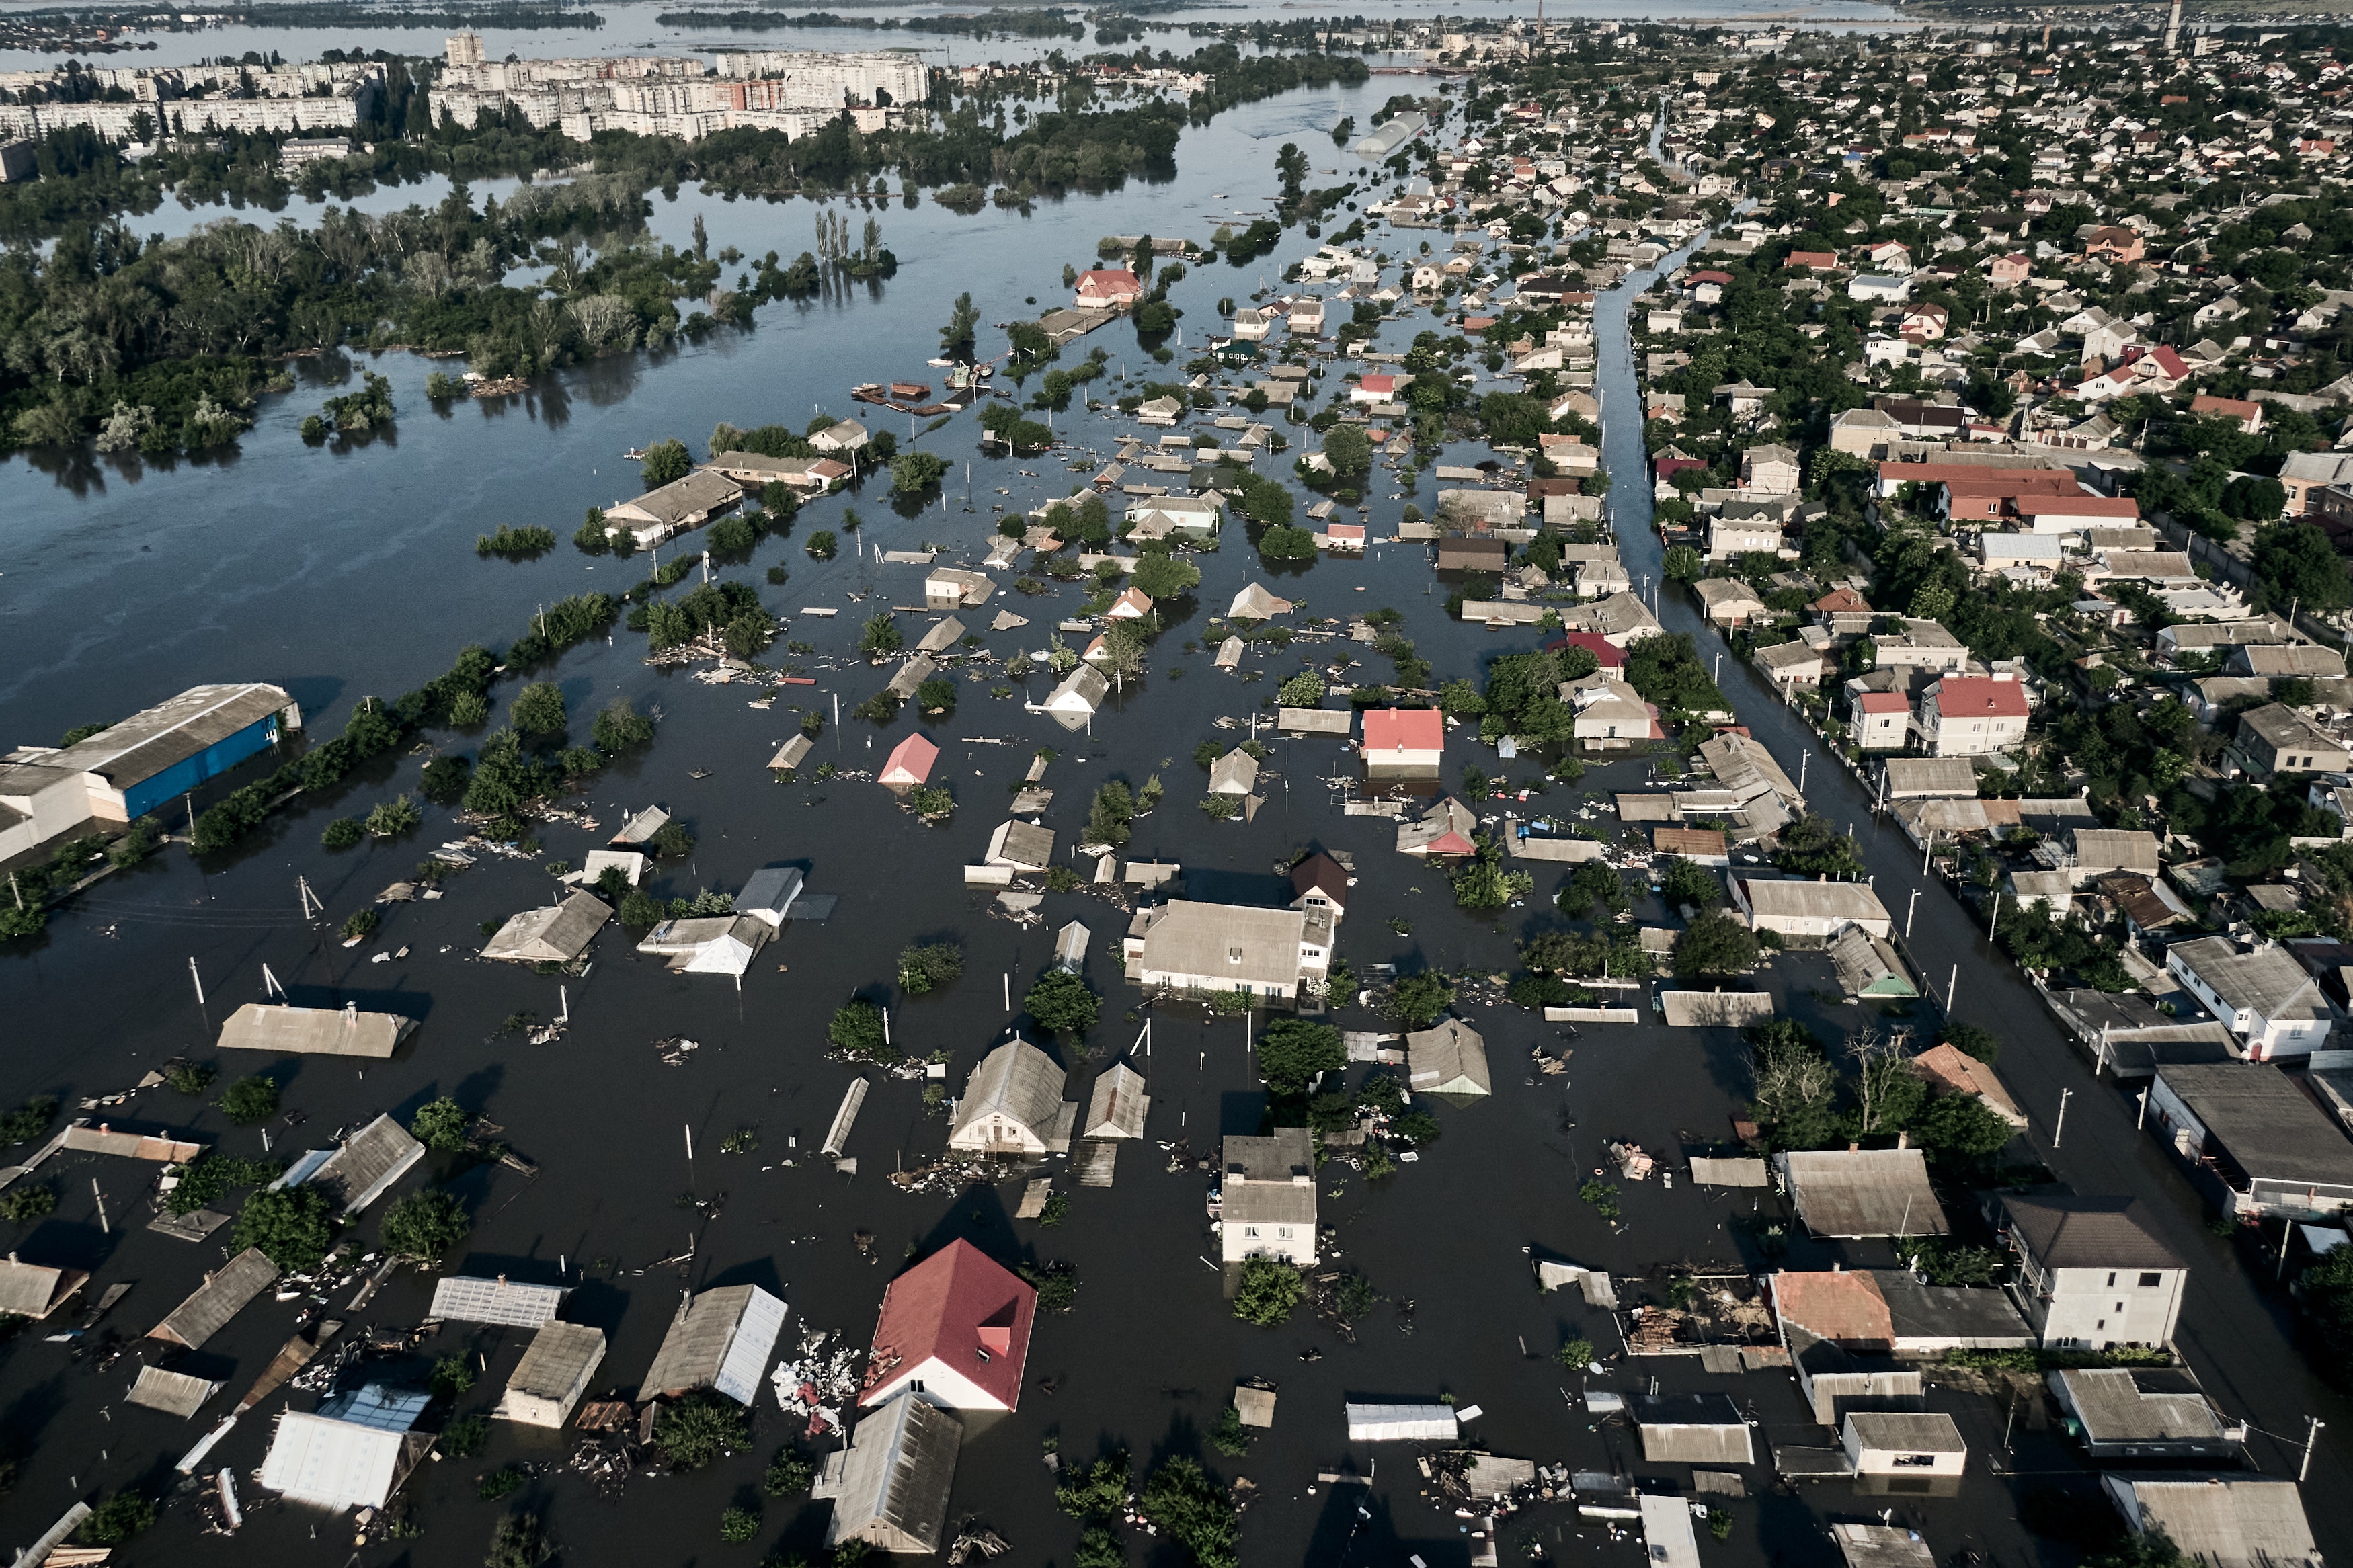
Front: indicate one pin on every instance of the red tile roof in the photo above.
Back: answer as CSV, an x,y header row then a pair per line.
x,y
1979,696
1845,1307
1882,702
1608,654
962,1309
1404,730
910,761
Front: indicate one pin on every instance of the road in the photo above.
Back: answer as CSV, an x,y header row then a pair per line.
x,y
2235,1334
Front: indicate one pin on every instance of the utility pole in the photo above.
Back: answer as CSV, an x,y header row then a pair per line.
x,y
1909,910
2061,1126
2311,1436
2141,1120
198,980
1952,986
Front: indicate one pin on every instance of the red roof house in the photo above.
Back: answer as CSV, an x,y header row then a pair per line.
x,y
910,761
1609,655
1409,729
956,1329
1109,286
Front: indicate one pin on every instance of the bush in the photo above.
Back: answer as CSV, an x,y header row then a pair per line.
x,y
857,1029
518,1542
700,1428
451,1377
1193,1512
505,1482
621,727
788,1474
925,968
343,833
1974,1041
423,1226
1057,1285
1270,1291
117,1519
1575,1354
290,1225
1229,1437
393,817
444,781
1294,1051
249,1100
27,1201
190,1078
822,545
538,709
738,1525
28,1121
464,1438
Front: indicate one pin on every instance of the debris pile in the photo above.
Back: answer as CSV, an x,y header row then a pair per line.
x,y
674,1050
816,1383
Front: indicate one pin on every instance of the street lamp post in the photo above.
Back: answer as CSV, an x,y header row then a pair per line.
x,y
2064,1095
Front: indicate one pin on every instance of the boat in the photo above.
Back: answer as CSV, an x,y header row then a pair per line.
x,y
699,773
910,389
635,455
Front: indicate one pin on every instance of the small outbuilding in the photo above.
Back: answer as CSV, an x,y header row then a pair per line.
x,y
354,1452
173,1393
908,764
1117,1107
1693,1428
1448,1059
719,1340
1853,1192
222,1296
1024,846
1402,1423
890,1488
2144,1413
468,1299
34,1290
1921,1443
552,1375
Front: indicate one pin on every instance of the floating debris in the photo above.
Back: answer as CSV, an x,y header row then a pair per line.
x,y
674,1050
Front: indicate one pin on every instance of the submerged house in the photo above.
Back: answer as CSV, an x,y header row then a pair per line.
x,y
34,1290
1013,1105
354,1451
315,1031
954,1331
552,1375
1266,1205
1448,1059
222,1296
890,1488
357,1173
719,1340
557,933
708,944
1117,1107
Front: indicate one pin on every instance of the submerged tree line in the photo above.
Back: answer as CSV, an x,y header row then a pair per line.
x,y
166,345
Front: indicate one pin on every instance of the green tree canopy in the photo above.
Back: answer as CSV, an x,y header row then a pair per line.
x,y
1294,1051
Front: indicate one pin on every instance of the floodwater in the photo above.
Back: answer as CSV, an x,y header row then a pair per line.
x,y
346,571
632,27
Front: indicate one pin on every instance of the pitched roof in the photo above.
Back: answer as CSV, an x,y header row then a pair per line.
x,y
1017,1081
963,1309
221,1297
1449,1054
1843,1305
1395,730
720,1340
316,1031
890,1486
1320,873
1862,1192
910,761
555,934
369,1161
1239,944
2064,1231
1979,696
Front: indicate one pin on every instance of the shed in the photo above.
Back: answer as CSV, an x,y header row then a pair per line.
x,y
34,1291
469,1299
356,1173
173,1393
1903,1443
908,764
719,1340
2219,1521
1023,845
1314,720
1868,966
631,863
1715,1009
1117,1107
1737,1170
353,1452
1402,1423
640,830
708,944
316,1031
1930,778
552,1375
1849,1192
1448,1059
221,1297
1070,946
1254,1406
911,675
555,934
890,1487
1693,1428
1072,704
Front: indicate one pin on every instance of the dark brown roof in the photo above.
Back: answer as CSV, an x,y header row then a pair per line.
x,y
1322,874
2087,1233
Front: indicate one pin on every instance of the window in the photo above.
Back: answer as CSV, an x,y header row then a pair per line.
x,y
2112,1281
2151,1281
2100,1325
1915,1461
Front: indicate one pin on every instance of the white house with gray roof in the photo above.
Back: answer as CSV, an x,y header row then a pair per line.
x,y
2264,997
1270,953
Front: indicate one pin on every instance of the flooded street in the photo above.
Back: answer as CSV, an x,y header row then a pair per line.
x,y
350,569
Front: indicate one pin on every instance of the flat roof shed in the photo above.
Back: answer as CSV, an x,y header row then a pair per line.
x,y
469,1299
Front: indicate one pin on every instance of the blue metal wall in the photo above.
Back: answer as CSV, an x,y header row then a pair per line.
x,y
186,775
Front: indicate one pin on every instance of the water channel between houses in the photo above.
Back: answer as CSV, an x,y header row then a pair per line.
x,y
355,573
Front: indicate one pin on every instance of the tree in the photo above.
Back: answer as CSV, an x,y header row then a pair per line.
x,y
1349,451
693,1431
956,337
1112,811
1575,1354
440,1124
1961,1130
1270,1291
117,1519
518,1541
666,461
1813,846
1060,1001
926,968
1418,999
1285,542
423,1226
1165,576
2327,1288
857,1030
538,709
1304,689
1713,946
1094,1492
1687,882
788,1474
621,727
880,636
913,472
290,1225
250,1099
1481,883
2295,561
393,817
1294,1051
1681,563
1974,1041
1193,1512
1594,881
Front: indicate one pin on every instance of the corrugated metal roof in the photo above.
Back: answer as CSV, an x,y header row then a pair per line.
x,y
169,733
1115,1109
702,1338
1402,1423
894,1481
173,1393
220,1298
466,1299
